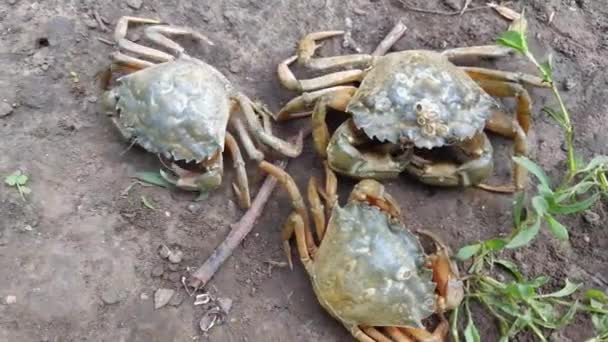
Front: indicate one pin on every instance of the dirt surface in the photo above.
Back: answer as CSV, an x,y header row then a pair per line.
x,y
80,255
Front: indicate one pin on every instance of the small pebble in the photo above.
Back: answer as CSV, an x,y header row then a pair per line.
x,y
193,207
591,217
162,297
225,304
90,23
11,300
177,300
143,296
164,251
586,238
5,109
173,267
12,2
135,4
176,257
175,277
569,84
234,66
158,271
110,296
92,99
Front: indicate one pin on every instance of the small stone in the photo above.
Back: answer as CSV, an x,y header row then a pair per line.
x,y
5,109
92,99
10,300
144,296
591,217
586,238
90,23
135,4
157,271
164,251
225,304
563,146
162,297
110,296
569,84
175,277
177,299
234,66
193,207
173,267
176,257
12,2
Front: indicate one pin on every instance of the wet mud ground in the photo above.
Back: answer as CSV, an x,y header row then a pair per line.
x,y
80,255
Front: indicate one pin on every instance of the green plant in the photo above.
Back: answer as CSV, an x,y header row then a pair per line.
x,y
515,38
598,304
19,181
519,304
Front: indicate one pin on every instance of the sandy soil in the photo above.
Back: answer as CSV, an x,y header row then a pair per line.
x,y
80,256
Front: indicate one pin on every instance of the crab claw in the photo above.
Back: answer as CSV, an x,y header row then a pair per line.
x,y
445,274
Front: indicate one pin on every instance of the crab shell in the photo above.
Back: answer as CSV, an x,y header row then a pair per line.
x,y
419,97
370,270
179,109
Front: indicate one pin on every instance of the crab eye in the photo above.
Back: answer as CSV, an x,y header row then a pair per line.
x,y
418,107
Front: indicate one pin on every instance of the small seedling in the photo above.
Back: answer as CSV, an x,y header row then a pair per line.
x,y
598,308
147,203
18,180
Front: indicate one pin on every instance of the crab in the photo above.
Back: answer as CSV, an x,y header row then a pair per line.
x,y
180,108
406,103
369,271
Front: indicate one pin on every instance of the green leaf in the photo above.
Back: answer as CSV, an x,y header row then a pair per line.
x,y
540,205
568,289
598,295
153,178
495,244
22,179
557,228
547,69
518,207
471,334
467,252
555,115
545,191
569,316
10,180
147,203
574,207
511,267
515,40
594,163
534,169
524,236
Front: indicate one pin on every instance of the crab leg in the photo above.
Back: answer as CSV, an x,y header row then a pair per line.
x,y
308,46
241,131
282,146
293,109
480,74
344,157
296,200
373,335
337,100
289,80
157,34
508,89
316,208
241,187
120,34
489,51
